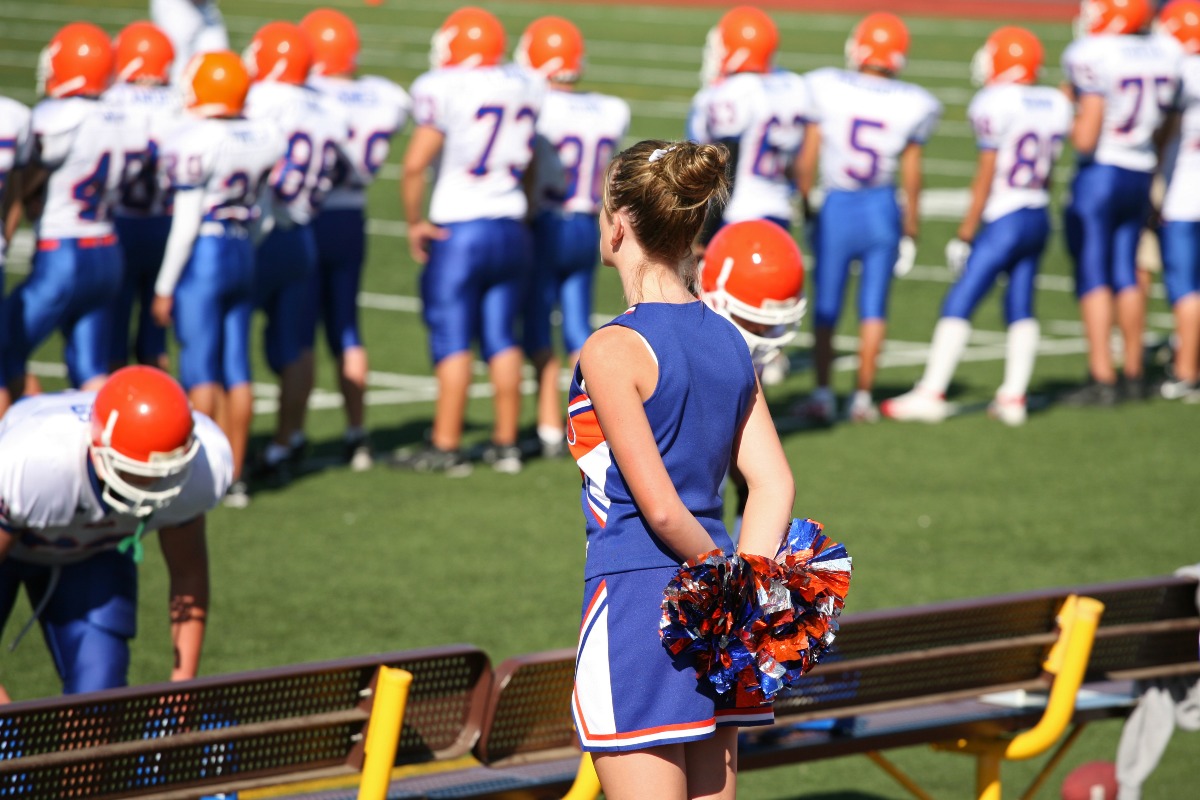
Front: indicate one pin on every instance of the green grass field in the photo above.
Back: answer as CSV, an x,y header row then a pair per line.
x,y
341,564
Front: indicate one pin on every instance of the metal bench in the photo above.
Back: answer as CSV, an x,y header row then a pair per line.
x,y
238,731
997,677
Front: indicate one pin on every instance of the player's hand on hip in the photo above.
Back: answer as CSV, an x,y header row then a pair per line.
x,y
421,235
906,256
957,253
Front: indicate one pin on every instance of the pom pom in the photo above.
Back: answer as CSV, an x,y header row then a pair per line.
x,y
755,624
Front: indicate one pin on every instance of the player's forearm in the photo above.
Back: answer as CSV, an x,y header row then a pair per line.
x,y
806,165
186,555
187,639
185,227
910,178
981,188
412,195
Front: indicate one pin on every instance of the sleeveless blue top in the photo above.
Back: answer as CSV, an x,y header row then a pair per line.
x,y
705,386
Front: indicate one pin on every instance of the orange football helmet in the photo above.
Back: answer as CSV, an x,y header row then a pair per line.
x,y
880,40
334,40
1181,19
743,41
470,37
215,84
279,52
1113,16
142,444
554,47
753,274
1010,55
77,61
143,53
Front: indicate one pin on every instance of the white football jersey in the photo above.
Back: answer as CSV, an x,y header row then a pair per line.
x,y
696,127
14,146
1026,126
765,115
488,116
50,498
86,144
1138,77
229,158
578,133
377,110
866,122
159,109
316,131
1182,170
192,28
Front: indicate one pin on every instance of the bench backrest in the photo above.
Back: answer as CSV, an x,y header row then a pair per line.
x,y
235,730
529,714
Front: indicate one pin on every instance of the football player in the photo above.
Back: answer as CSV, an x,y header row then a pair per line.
x,y
577,135
69,185
865,128
753,275
216,164
1019,129
755,110
143,62
477,118
83,475
1121,81
279,59
1181,208
14,147
194,26
378,110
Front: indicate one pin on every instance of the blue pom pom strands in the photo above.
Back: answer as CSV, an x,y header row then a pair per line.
x,y
754,624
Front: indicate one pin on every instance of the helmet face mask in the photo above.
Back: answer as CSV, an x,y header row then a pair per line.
x,y
142,441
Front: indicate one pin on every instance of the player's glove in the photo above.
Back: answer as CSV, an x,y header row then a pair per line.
x,y
906,257
812,217
957,253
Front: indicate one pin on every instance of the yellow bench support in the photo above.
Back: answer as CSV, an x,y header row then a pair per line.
x,y
1067,662
587,782
383,732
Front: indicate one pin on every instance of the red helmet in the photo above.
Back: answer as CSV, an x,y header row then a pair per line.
x,y
77,61
743,41
753,274
215,84
142,443
334,41
1010,55
1114,16
280,52
143,53
554,47
880,40
1181,19
470,37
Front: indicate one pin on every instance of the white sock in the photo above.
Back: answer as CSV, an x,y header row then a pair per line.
x,y
861,399
949,341
1021,352
548,434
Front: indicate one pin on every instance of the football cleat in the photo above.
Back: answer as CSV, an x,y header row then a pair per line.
x,y
215,84
744,40
862,408
918,405
504,458
279,52
1181,19
1010,55
470,37
77,61
880,40
1008,409
334,40
142,445
820,408
753,275
1113,16
552,46
143,54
